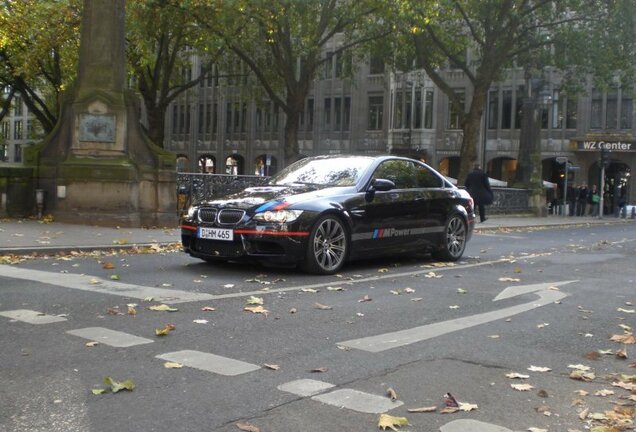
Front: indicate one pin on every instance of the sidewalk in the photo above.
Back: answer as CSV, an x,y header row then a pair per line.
x,y
29,236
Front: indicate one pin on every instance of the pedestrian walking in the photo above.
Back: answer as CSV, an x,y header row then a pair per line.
x,y
478,186
581,201
572,195
593,199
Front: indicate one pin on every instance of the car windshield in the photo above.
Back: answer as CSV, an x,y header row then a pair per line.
x,y
323,171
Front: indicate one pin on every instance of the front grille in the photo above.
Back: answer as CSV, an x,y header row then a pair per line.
x,y
207,214
230,216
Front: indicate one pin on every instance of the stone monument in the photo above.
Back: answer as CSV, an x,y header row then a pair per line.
x,y
98,166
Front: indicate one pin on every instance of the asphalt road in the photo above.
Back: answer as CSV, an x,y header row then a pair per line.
x,y
416,326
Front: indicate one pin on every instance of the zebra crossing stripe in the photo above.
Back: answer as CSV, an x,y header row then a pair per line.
x,y
31,316
305,387
109,337
209,362
358,401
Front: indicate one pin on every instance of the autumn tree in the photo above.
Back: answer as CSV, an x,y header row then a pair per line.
x,y
495,32
38,54
162,40
283,42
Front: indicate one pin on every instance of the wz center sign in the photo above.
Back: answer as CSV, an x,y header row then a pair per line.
x,y
596,145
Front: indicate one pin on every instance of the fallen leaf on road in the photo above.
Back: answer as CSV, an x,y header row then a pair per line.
x,y
579,367
247,427
409,290
162,308
309,290
383,270
387,421
366,298
165,330
228,286
509,279
114,277
629,311
208,309
254,300
423,409
116,386
625,327
432,275
92,344
604,392
416,299
449,410
108,266
465,406
621,354
319,370
522,387
391,394
582,375
330,288
322,306
454,307
271,366
539,369
293,310
534,429
172,365
98,391
627,338
461,291
200,321
515,375
256,310
114,311
132,311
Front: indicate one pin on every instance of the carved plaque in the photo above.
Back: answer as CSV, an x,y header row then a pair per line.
x,y
97,127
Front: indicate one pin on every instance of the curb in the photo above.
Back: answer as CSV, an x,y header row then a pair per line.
x,y
54,250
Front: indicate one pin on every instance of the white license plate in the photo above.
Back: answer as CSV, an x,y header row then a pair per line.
x,y
216,234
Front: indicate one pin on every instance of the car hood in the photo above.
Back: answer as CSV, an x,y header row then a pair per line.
x,y
255,197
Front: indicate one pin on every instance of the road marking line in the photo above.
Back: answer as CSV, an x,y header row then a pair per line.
x,y
305,387
358,401
209,362
405,337
473,426
109,337
32,317
102,286
513,291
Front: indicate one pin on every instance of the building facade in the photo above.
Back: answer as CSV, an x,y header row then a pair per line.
x,y
225,126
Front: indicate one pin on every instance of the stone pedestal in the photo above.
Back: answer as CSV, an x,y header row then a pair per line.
x,y
98,166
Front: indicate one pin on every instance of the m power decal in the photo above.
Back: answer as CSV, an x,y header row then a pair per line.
x,y
382,233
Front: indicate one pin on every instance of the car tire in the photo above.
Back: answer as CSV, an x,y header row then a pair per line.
x,y
453,242
327,246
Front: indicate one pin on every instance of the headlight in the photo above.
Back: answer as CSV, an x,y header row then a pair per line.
x,y
192,211
279,216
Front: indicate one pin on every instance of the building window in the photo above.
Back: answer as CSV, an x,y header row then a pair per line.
x,y
455,112
519,106
611,110
328,65
17,107
343,64
337,113
418,109
4,152
376,65
398,112
557,111
376,112
506,109
346,114
201,118
428,110
17,129
4,130
626,111
17,156
326,119
596,121
493,109
571,112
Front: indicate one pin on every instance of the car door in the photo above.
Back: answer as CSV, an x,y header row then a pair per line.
x,y
384,220
434,203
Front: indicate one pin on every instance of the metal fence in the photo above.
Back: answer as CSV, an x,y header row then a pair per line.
x,y
200,187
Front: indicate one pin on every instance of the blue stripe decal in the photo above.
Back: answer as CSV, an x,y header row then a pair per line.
x,y
375,233
267,206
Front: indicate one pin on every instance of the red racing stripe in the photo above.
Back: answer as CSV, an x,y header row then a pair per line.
x,y
188,227
273,233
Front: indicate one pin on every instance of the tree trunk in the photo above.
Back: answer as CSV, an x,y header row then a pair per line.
x,y
471,128
291,137
156,125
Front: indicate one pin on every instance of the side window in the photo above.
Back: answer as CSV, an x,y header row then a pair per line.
x,y
402,173
427,178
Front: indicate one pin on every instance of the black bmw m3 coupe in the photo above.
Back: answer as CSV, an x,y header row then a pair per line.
x,y
322,211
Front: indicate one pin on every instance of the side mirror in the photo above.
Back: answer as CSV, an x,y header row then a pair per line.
x,y
382,185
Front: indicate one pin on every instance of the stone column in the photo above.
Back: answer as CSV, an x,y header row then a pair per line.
x,y
98,166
